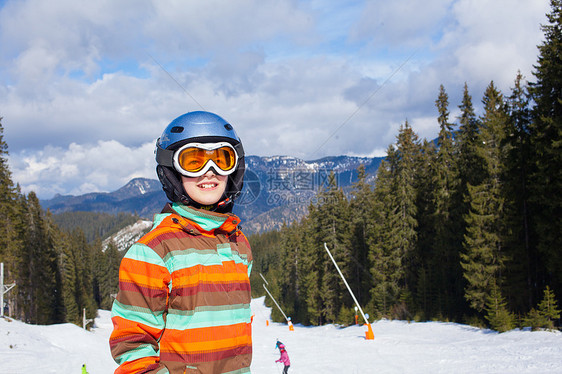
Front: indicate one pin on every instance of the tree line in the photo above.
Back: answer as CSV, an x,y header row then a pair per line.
x,y
57,272
466,228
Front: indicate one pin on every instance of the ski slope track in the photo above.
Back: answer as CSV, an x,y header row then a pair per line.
x,y
398,347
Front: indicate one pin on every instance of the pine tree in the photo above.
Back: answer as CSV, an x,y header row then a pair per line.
x,y
42,266
445,264
76,265
288,277
427,298
9,222
548,307
393,246
546,142
384,253
361,208
408,150
68,264
470,165
332,223
497,313
484,257
312,270
546,314
107,274
522,272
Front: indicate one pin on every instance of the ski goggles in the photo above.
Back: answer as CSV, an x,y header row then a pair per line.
x,y
196,159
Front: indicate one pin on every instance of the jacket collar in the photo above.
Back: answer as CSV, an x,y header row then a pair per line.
x,y
204,220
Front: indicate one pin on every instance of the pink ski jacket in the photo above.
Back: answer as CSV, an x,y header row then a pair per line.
x,y
284,358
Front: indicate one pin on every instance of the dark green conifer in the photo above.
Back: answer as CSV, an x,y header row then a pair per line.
x,y
445,260
483,258
497,312
546,142
548,307
519,244
384,253
361,209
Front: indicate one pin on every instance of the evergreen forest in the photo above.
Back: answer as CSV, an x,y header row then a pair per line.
x,y
466,228
59,270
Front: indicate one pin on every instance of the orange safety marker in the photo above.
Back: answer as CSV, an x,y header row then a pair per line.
x,y
369,335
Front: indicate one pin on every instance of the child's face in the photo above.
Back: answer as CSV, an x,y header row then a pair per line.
x,y
206,189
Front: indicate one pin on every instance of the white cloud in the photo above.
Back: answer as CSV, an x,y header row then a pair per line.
x,y
79,169
82,80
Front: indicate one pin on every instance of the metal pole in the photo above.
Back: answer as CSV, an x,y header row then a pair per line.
x,y
84,320
3,288
347,285
286,319
266,282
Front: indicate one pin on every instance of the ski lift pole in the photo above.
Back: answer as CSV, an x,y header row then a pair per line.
x,y
369,335
3,288
275,301
85,321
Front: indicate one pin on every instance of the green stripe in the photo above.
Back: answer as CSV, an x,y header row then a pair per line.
x,y
141,252
137,314
186,258
142,351
207,221
208,317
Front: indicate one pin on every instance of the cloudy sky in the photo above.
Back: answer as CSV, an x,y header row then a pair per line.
x,y
86,87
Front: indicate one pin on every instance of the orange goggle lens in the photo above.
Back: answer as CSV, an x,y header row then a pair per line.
x,y
194,159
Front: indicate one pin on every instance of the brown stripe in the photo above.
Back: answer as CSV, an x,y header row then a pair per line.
x,y
221,366
129,342
200,357
212,299
210,287
145,291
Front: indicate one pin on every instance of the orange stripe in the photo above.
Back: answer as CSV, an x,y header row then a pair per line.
x,y
206,346
136,366
206,339
181,279
124,327
225,267
163,227
137,272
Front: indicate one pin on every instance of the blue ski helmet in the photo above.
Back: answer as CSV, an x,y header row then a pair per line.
x,y
197,127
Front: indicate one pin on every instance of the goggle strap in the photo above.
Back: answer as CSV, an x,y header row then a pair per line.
x,y
239,150
165,157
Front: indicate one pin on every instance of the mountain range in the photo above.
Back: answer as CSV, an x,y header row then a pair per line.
x,y
277,189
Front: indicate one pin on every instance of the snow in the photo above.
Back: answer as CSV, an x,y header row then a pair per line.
x,y
125,237
398,347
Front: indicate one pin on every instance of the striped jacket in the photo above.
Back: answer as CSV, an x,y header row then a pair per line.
x,y
184,297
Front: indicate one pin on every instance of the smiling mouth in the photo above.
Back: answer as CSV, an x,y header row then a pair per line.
x,y
207,186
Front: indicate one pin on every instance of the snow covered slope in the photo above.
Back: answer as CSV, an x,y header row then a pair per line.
x,y
399,347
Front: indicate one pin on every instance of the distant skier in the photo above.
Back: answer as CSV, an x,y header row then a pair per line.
x,y
284,357
84,370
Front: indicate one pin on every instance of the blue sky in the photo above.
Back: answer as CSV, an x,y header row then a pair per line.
x,y
87,87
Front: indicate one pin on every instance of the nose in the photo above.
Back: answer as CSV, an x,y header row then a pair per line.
x,y
210,173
